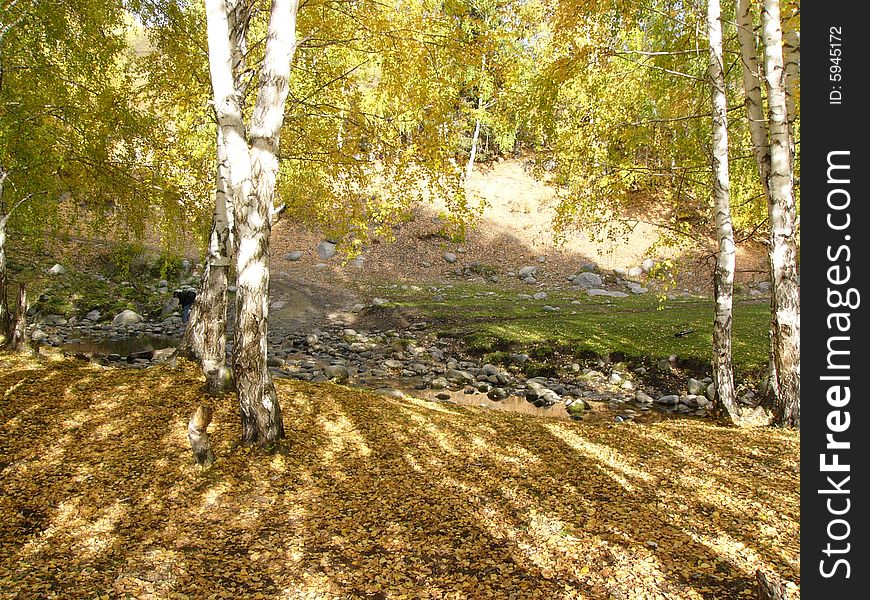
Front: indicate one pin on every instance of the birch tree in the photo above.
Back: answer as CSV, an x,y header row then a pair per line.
x,y
785,300
723,282
205,335
773,143
252,166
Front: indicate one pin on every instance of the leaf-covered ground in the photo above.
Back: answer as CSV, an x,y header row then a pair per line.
x,y
373,498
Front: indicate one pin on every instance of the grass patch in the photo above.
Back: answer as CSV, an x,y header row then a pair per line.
x,y
490,320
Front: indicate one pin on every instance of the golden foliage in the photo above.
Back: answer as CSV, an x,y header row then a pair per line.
x,y
373,497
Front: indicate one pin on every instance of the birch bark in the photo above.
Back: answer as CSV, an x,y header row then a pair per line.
x,y
723,280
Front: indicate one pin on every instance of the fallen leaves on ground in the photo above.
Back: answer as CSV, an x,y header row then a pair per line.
x,y
373,497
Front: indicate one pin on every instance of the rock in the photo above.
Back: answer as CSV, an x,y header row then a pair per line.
x,y
642,397
527,272
38,335
635,272
326,250
588,267
711,392
162,355
548,308
587,280
439,383
695,387
539,295
669,400
530,280
127,317
458,376
295,255
647,265
497,394
450,257
337,373
52,320
393,364
57,269
443,396
524,297
519,358
169,307
614,379
94,315
636,288
379,302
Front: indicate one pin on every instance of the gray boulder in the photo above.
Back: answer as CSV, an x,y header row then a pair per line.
x,y
126,317
337,373
326,250
527,272
450,257
587,280
295,255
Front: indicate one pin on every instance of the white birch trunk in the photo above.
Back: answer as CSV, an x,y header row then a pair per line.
x,y
4,306
253,170
752,78
723,281
205,335
469,169
782,213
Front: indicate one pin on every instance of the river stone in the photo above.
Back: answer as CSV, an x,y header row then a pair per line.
x,y
642,397
695,387
94,315
439,383
587,280
669,400
497,394
459,376
336,373
326,250
527,272
126,317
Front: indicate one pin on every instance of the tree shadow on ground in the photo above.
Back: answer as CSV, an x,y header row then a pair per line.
x,y
372,497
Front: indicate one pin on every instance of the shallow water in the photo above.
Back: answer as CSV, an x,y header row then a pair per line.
x,y
122,346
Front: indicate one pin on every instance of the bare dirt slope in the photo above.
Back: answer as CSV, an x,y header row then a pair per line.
x,y
514,229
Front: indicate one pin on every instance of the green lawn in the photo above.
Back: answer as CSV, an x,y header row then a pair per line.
x,y
490,319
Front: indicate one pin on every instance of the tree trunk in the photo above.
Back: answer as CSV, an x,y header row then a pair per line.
x,y
198,435
18,337
470,167
752,90
4,301
205,335
723,284
782,213
252,173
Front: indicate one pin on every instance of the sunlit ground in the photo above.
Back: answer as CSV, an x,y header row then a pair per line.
x,y
374,498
